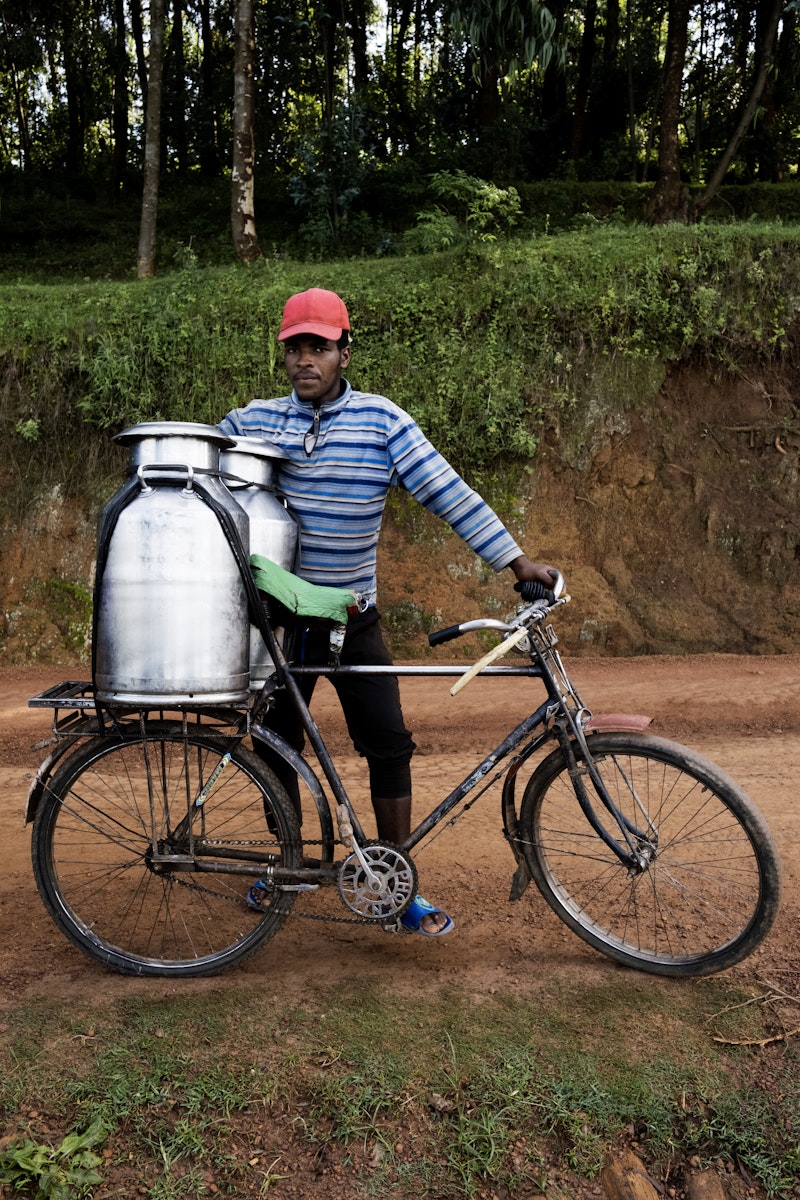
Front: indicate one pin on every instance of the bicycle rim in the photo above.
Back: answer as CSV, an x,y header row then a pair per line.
x,y
708,894
114,801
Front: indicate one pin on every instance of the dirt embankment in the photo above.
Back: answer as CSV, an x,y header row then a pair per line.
x,y
677,527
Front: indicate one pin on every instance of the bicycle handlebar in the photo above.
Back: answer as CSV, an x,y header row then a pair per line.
x,y
439,636
530,590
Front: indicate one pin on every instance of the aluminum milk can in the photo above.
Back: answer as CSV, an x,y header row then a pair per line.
x,y
249,468
171,620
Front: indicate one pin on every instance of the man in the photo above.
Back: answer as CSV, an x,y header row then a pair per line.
x,y
344,450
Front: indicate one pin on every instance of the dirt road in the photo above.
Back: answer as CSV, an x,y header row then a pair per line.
x,y
742,712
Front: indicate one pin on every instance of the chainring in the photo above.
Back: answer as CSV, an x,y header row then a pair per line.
x,y
388,892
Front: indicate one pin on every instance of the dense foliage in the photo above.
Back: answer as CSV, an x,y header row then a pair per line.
x,y
478,343
356,109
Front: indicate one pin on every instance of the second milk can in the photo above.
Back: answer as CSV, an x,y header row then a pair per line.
x,y
171,618
248,468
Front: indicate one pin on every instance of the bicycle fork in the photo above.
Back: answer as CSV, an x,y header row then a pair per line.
x,y
639,849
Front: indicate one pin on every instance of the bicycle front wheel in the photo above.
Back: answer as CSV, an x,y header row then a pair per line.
x,y
706,889
137,864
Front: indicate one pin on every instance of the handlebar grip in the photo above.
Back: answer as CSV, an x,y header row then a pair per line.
x,y
444,635
532,590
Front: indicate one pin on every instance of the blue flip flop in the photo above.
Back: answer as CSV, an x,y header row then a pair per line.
x,y
419,909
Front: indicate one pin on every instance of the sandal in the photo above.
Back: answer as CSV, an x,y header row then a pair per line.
x,y
257,896
414,915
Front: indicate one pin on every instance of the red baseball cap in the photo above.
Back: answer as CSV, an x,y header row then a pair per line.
x,y
315,311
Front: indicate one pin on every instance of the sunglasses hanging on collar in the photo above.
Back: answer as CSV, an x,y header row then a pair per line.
x,y
312,436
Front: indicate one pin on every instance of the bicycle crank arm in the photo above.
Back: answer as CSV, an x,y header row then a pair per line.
x,y
347,839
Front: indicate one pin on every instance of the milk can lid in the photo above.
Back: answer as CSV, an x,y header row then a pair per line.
x,y
258,447
166,429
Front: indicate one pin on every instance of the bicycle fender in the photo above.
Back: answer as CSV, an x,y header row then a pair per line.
x,y
519,881
617,722
299,764
522,876
40,779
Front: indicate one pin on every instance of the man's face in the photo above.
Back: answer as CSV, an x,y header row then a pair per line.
x,y
315,367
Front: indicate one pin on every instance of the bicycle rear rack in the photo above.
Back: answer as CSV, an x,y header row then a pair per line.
x,y
76,713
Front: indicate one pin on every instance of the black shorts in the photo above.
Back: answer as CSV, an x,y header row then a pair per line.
x,y
370,703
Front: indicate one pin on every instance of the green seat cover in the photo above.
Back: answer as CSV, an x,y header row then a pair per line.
x,y
302,598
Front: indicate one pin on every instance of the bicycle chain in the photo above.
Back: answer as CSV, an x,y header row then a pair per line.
x,y
198,887
457,815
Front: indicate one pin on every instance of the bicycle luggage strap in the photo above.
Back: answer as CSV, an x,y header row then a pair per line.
x,y
302,598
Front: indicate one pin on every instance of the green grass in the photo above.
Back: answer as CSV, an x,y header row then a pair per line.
x,y
438,1094
483,345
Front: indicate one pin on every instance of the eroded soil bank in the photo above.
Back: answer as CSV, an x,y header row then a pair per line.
x,y
677,526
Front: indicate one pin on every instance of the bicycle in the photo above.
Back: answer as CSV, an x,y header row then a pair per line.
x,y
150,826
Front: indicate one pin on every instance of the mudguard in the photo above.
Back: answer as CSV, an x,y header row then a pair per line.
x,y
301,767
598,723
39,781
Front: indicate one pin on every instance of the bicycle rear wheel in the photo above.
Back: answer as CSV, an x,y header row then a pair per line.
x,y
119,843
708,890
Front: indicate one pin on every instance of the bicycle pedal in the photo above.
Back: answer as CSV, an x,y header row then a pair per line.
x,y
297,887
394,927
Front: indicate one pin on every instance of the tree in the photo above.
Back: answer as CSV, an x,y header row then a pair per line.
x,y
351,125
243,222
585,64
503,35
20,55
668,197
208,156
671,200
146,261
120,117
771,10
174,88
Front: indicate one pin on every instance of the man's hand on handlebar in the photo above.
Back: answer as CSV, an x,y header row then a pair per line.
x,y
532,573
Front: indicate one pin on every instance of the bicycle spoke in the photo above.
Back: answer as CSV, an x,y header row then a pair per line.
x,y
118,831
704,890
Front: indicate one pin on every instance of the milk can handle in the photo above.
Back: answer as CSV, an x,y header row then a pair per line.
x,y
164,468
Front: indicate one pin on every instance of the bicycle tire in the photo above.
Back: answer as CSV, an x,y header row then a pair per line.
x,y
116,797
710,893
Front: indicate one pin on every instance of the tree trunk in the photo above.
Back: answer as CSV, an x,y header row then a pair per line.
x,y
209,157
22,116
328,30
585,64
358,21
120,117
667,201
787,62
76,100
401,106
762,71
243,222
555,111
138,41
175,87
146,261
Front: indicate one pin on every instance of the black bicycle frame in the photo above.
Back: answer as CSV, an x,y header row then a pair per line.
x,y
287,675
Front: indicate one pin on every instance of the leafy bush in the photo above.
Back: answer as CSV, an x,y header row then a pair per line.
x,y
57,1172
481,342
483,211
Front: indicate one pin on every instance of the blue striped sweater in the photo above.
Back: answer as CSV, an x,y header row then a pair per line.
x,y
366,445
